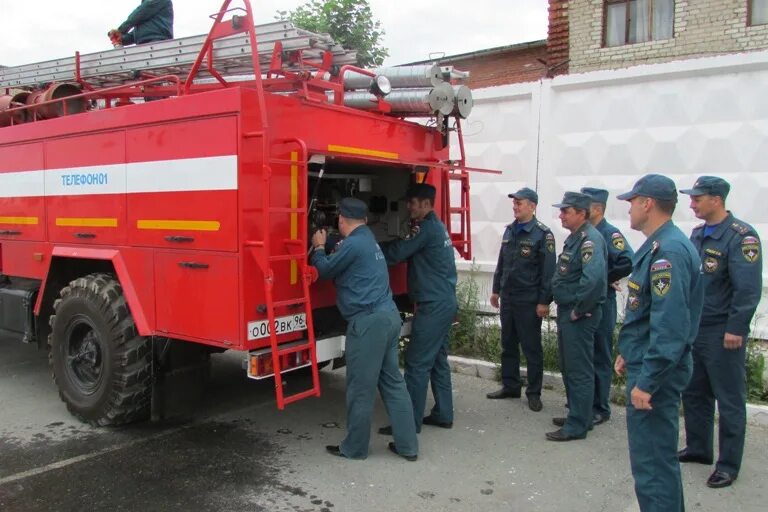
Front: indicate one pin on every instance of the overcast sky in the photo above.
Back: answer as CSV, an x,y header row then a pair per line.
x,y
49,29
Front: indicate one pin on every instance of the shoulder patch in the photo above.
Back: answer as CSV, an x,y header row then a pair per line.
x,y
587,250
750,248
617,240
740,228
661,282
549,242
659,265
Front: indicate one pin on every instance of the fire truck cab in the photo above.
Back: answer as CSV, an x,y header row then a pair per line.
x,y
148,221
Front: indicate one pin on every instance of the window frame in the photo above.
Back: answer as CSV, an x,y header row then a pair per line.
x,y
651,6
750,3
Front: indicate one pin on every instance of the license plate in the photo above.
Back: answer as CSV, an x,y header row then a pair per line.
x,y
283,325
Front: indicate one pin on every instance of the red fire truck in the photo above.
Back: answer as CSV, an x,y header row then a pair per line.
x,y
154,210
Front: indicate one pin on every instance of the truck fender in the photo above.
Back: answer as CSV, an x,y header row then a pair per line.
x,y
118,263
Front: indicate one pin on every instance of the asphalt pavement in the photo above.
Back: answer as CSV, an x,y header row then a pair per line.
x,y
238,452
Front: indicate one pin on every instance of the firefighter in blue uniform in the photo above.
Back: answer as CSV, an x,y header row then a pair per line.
x,y
432,288
732,263
619,267
364,299
665,296
579,288
522,287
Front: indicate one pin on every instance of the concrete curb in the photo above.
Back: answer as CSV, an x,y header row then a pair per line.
x,y
756,414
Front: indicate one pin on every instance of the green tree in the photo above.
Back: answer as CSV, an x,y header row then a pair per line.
x,y
349,22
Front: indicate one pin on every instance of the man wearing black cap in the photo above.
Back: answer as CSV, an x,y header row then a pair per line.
x,y
619,267
364,299
522,286
432,288
665,296
579,288
732,263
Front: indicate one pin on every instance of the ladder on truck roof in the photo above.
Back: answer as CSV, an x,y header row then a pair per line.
x,y
176,57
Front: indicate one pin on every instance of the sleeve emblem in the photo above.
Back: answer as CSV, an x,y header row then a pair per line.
x,y
587,250
618,241
549,242
750,248
661,277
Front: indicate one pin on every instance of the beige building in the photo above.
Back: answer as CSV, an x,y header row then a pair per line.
x,y
609,34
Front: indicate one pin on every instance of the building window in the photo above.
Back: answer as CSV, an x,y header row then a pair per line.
x,y
758,12
636,21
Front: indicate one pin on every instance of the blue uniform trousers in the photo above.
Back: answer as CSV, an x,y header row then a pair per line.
x,y
521,328
372,361
426,360
577,346
603,358
653,439
718,375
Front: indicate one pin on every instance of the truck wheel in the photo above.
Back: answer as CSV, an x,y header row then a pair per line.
x,y
100,364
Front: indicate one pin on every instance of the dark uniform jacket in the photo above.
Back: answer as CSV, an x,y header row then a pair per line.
x,y
150,21
732,264
431,260
360,274
665,297
619,254
581,279
526,264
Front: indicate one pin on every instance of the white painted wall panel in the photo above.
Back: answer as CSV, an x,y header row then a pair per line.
x,y
607,128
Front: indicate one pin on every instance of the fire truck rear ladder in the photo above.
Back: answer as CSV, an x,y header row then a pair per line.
x,y
293,250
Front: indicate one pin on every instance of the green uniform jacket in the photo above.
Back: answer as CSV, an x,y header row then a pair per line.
x,y
581,278
431,260
150,21
360,274
733,280
665,297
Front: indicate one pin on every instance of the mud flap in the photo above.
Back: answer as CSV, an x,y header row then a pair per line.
x,y
180,374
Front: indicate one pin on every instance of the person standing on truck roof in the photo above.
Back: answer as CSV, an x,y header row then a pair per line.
x,y
149,22
522,289
432,288
364,299
730,251
665,297
619,267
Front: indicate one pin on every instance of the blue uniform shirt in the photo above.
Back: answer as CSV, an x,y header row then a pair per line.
x,y
663,308
581,279
732,264
360,273
431,260
619,254
526,263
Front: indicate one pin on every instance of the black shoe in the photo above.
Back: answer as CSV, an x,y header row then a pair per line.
x,y
429,420
558,422
409,458
685,456
559,435
599,419
386,431
503,393
334,449
720,479
534,403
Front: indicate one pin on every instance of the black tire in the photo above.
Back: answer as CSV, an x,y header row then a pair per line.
x,y
99,362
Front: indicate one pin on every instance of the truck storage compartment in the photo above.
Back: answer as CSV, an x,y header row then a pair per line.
x,y
17,301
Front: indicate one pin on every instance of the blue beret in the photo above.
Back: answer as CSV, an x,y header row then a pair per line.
x,y
353,208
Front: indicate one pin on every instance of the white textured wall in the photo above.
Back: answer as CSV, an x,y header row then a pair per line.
x,y
607,128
